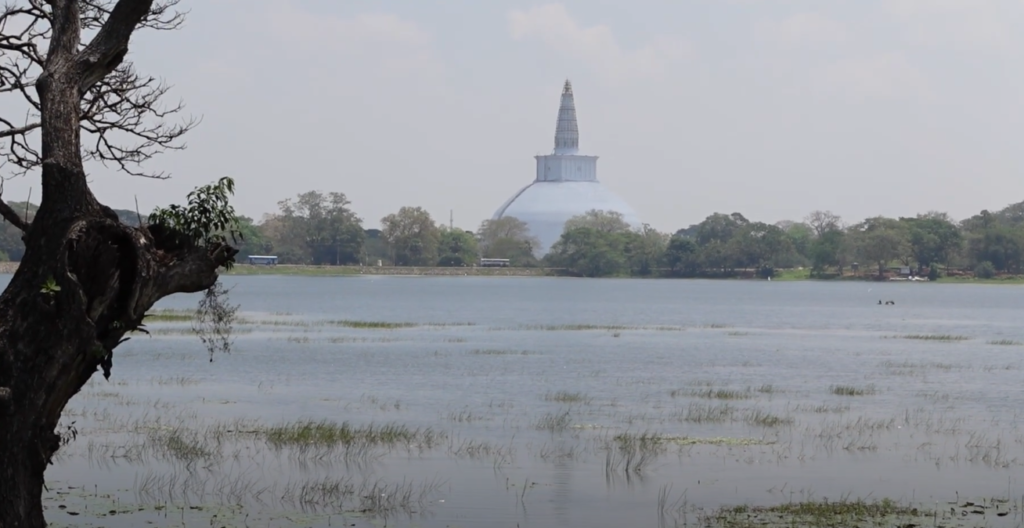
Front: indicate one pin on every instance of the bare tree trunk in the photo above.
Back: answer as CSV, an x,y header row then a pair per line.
x,y
85,279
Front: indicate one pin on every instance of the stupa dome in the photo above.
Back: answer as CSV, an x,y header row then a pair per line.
x,y
566,185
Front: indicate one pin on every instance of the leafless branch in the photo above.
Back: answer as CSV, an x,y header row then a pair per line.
x,y
123,121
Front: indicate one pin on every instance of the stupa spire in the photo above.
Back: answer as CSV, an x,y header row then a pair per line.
x,y
567,132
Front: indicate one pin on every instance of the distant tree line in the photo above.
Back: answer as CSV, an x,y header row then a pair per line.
x,y
322,229
602,244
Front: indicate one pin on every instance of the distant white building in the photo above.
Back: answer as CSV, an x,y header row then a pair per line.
x,y
566,185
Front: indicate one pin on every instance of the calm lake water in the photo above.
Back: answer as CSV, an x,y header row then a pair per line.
x,y
551,402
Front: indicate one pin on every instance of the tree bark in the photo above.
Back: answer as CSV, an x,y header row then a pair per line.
x,y
106,274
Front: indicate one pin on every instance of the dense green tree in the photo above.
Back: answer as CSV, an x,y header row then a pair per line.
x,y
509,238
758,245
329,230
598,220
880,240
683,255
719,228
645,249
589,252
827,251
412,237
457,248
824,221
375,248
1000,246
933,238
252,241
801,236
518,252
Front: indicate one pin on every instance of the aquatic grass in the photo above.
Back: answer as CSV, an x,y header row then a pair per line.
x,y
554,422
933,337
718,441
910,365
370,325
706,413
593,327
499,352
630,453
821,408
567,397
463,416
181,381
331,434
820,514
1005,342
722,394
169,316
763,418
768,388
182,444
850,390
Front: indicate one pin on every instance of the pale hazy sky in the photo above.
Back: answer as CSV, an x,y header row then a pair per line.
x,y
771,108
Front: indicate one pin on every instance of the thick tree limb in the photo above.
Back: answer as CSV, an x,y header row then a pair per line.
x,y
11,216
108,48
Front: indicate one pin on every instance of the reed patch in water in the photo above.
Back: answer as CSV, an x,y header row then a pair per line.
x,y
706,413
499,352
933,337
567,397
1005,342
329,434
850,390
824,513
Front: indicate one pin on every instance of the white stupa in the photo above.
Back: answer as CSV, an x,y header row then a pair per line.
x,y
566,185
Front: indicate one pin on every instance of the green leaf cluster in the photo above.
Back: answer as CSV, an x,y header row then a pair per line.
x,y
207,219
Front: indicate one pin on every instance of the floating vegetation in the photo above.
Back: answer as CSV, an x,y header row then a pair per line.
x,y
498,352
567,397
721,394
330,434
169,316
821,408
933,337
1005,342
852,514
850,390
718,441
922,365
768,388
592,327
762,418
370,325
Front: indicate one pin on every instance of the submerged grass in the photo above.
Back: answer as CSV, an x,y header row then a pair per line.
x,y
169,316
850,390
722,394
567,397
329,434
499,352
592,327
847,513
705,413
933,337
